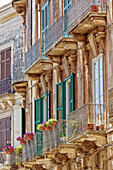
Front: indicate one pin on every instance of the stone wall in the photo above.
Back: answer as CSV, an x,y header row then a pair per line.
x,y
12,31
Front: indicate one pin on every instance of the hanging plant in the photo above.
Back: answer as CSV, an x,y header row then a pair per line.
x,y
21,139
8,149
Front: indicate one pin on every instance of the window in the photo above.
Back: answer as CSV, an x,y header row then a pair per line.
x,y
98,91
98,81
66,5
42,109
65,97
45,22
5,63
5,132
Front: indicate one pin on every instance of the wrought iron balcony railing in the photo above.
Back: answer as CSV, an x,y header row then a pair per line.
x,y
82,7
32,55
18,71
75,13
88,117
6,86
53,34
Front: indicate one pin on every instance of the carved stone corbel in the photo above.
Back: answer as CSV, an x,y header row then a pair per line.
x,y
48,78
100,38
72,62
60,158
93,44
66,66
43,84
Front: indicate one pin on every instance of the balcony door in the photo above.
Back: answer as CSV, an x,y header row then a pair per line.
x,y
65,97
44,23
5,132
98,91
5,73
66,5
41,114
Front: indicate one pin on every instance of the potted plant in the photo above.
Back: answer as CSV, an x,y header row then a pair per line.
x,y
52,122
41,127
19,149
26,136
30,136
21,139
102,126
47,128
8,149
91,126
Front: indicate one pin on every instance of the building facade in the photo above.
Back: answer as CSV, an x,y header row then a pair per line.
x,y
11,70
68,68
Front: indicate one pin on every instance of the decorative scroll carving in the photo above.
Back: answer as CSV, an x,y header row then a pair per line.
x,y
86,146
60,158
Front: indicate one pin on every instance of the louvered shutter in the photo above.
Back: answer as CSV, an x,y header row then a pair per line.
x,y
3,69
60,100
38,120
5,132
8,130
38,111
8,69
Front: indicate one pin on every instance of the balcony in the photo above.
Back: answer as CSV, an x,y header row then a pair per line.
x,y
86,15
89,119
32,55
6,86
49,142
56,39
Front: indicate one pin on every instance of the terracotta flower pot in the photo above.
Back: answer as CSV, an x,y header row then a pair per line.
x,y
43,128
26,138
22,142
30,137
93,8
97,127
102,127
8,152
47,128
54,123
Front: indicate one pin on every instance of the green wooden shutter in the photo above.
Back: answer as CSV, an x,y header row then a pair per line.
x,y
22,121
38,112
47,106
60,100
38,120
71,93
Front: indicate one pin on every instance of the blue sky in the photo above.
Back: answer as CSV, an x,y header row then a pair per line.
x,y
4,2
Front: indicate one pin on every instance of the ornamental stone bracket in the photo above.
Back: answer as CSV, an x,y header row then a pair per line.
x,y
86,146
20,7
60,158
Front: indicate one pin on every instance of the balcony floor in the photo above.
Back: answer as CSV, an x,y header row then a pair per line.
x,y
88,23
98,135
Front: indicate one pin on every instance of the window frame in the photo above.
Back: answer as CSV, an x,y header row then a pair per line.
x,y
93,77
63,107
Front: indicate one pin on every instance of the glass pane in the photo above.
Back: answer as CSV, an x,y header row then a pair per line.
x,y
65,3
45,16
96,89
101,85
101,66
59,96
101,100
96,70
59,114
42,20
